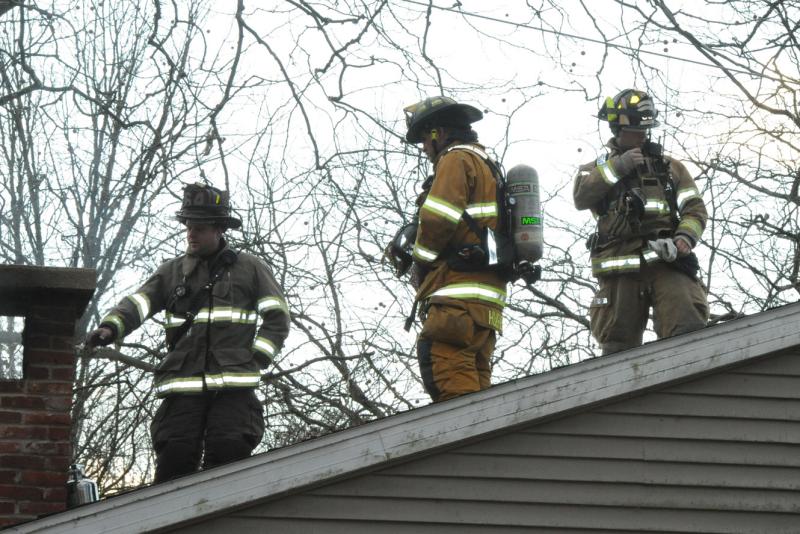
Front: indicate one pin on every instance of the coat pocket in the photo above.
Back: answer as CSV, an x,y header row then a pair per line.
x,y
173,361
232,357
448,324
601,314
601,299
222,289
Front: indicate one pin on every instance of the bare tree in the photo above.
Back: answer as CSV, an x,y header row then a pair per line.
x,y
295,107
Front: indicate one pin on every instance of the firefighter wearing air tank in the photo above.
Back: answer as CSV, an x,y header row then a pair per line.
x,y
214,298
462,302
650,215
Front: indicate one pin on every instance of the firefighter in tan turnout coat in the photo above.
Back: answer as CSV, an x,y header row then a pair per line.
x,y
650,216
461,303
214,299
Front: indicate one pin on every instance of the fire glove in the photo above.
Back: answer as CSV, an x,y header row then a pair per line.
x,y
665,249
99,337
627,162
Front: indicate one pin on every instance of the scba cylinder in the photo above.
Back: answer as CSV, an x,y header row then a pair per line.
x,y
522,188
80,490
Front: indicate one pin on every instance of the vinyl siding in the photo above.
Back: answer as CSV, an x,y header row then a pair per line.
x,y
718,454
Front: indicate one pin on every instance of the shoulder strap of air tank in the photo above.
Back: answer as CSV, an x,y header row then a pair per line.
x,y
668,184
493,165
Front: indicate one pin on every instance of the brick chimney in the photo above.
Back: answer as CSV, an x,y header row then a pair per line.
x,y
35,449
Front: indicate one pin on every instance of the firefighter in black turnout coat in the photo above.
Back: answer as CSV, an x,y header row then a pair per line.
x,y
214,299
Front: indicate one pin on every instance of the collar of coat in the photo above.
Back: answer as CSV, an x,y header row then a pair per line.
x,y
190,262
445,148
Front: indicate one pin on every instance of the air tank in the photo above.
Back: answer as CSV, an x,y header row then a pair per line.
x,y
522,188
80,490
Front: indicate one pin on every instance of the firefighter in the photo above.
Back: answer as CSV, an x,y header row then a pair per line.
x,y
461,300
650,216
213,297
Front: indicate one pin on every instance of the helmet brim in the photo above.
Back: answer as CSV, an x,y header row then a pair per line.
x,y
185,217
450,115
654,124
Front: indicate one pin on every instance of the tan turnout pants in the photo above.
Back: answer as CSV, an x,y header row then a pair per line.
x,y
454,353
621,306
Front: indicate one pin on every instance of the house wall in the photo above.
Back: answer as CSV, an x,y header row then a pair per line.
x,y
718,454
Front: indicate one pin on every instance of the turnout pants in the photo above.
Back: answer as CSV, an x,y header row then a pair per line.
x,y
216,427
621,306
454,353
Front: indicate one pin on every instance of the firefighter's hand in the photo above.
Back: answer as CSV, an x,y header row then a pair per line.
x,y
99,337
683,246
627,162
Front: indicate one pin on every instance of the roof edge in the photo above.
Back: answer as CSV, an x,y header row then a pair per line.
x,y
520,402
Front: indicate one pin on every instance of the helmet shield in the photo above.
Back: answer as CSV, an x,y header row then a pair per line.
x,y
629,109
436,112
206,204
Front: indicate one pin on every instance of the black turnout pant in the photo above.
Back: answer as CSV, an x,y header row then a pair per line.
x,y
214,427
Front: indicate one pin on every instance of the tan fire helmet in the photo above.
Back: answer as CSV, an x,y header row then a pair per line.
x,y
435,112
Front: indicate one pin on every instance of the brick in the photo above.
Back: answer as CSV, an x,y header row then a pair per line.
x,y
56,463
37,372
23,432
51,327
52,388
42,478
32,341
60,403
55,494
10,447
40,507
41,356
65,374
58,433
18,518
12,386
65,343
9,476
21,461
47,448
46,418
10,417
20,493
52,312
22,402
7,507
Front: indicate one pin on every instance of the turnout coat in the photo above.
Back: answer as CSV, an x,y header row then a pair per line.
x,y
621,247
225,348
462,182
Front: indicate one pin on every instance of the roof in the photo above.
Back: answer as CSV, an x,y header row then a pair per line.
x,y
437,427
